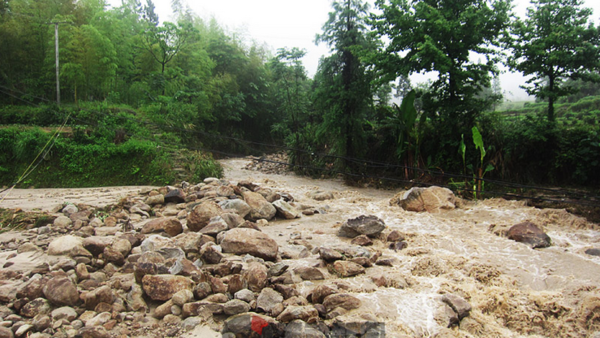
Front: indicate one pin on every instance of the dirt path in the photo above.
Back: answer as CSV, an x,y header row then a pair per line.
x,y
49,199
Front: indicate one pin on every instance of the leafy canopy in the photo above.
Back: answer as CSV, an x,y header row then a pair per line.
x,y
442,36
554,43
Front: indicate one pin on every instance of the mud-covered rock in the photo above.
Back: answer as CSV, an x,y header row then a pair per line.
x,y
60,290
309,273
293,312
270,301
201,214
69,246
38,306
320,292
260,207
330,255
168,225
235,306
240,206
286,210
432,199
362,240
163,287
342,300
248,241
348,268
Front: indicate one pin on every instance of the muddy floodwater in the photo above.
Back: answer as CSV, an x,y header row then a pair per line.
x,y
514,291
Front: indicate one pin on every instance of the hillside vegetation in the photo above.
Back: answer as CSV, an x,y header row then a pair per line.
x,y
143,101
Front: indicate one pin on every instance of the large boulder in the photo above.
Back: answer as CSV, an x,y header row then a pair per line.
x,y
432,199
242,241
362,225
529,233
260,207
200,216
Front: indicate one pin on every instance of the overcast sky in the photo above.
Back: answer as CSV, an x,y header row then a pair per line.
x,y
287,23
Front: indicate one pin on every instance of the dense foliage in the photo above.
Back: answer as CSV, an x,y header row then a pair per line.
x,y
139,90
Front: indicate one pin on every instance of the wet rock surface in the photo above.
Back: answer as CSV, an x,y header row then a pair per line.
x,y
245,259
530,234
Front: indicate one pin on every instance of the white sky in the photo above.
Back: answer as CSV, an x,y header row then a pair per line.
x,y
287,23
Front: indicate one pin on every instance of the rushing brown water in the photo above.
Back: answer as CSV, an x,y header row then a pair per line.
x,y
514,290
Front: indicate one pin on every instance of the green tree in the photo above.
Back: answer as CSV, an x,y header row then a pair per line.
x,y
443,36
343,92
554,43
291,92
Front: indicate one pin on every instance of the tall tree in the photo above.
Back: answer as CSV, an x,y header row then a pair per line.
x,y
290,76
343,90
443,36
554,43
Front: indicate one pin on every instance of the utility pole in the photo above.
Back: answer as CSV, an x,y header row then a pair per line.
x,y
57,62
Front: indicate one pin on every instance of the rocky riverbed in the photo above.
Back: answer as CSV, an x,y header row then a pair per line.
x,y
257,254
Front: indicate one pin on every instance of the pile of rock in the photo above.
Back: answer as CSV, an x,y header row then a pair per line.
x,y
169,260
270,164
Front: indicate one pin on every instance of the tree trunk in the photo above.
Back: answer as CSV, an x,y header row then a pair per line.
x,y
551,99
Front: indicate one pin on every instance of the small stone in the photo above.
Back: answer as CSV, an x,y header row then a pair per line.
x,y
362,240
397,246
182,297
235,306
395,236
256,276
65,312
330,255
245,295
277,269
